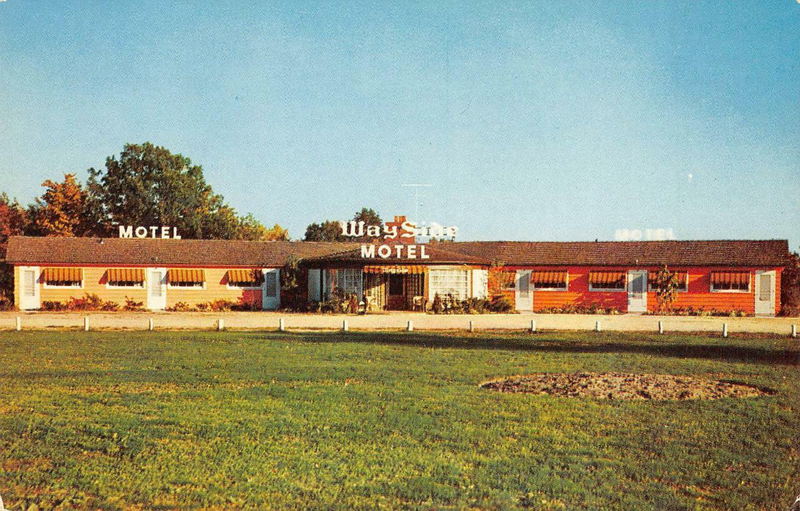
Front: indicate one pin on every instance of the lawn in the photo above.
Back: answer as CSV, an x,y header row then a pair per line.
x,y
228,420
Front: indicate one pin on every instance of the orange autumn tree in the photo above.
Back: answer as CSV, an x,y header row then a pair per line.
x,y
61,210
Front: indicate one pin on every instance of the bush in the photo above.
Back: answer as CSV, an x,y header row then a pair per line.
x,y
132,305
89,302
180,307
48,305
451,305
571,308
338,303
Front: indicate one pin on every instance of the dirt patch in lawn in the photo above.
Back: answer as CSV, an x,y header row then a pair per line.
x,y
659,387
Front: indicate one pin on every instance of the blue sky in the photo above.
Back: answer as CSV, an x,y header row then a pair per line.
x,y
532,120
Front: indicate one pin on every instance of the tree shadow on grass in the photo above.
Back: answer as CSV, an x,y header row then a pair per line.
x,y
721,351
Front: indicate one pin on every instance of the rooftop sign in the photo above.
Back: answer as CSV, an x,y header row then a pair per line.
x,y
153,231
400,235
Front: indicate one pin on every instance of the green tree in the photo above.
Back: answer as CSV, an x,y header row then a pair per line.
x,y
13,222
790,286
666,284
61,210
252,229
148,185
329,230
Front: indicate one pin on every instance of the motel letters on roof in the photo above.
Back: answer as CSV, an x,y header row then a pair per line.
x,y
154,231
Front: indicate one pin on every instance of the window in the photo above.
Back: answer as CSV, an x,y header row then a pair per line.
x,y
396,285
125,277
730,282
349,281
245,279
506,280
450,282
186,278
63,277
606,281
683,280
549,280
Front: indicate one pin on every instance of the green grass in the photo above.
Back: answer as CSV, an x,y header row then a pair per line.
x,y
367,420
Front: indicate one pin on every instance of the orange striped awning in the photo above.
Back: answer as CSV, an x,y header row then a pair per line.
x,y
741,278
125,275
548,278
652,278
186,275
607,277
62,274
255,277
406,268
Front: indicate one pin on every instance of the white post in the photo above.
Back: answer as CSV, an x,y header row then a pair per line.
x,y
661,327
281,325
533,326
597,326
794,331
86,323
410,326
724,330
471,326
220,325
345,327
150,325
19,324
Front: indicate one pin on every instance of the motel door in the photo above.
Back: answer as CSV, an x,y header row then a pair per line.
x,y
156,288
637,291
765,293
271,292
29,290
523,294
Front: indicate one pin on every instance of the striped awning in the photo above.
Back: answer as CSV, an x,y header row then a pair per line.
x,y
652,278
125,275
607,277
255,277
62,274
186,275
739,278
548,278
394,269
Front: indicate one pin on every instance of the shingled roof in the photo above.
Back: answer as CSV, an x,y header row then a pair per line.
x,y
169,252
165,252
630,253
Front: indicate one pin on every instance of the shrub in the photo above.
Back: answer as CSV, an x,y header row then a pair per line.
x,y
500,304
48,305
339,302
132,305
438,306
180,307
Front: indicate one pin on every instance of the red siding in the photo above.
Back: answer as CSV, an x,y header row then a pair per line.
x,y
698,296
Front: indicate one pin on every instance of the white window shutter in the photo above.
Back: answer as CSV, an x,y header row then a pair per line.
x,y
480,283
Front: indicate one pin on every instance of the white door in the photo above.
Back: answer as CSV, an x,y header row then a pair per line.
x,y
523,293
156,288
637,291
271,290
765,293
29,288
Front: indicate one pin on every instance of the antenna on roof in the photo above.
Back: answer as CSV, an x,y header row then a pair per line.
x,y
416,187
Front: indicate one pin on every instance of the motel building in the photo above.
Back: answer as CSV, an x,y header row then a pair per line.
x,y
399,274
